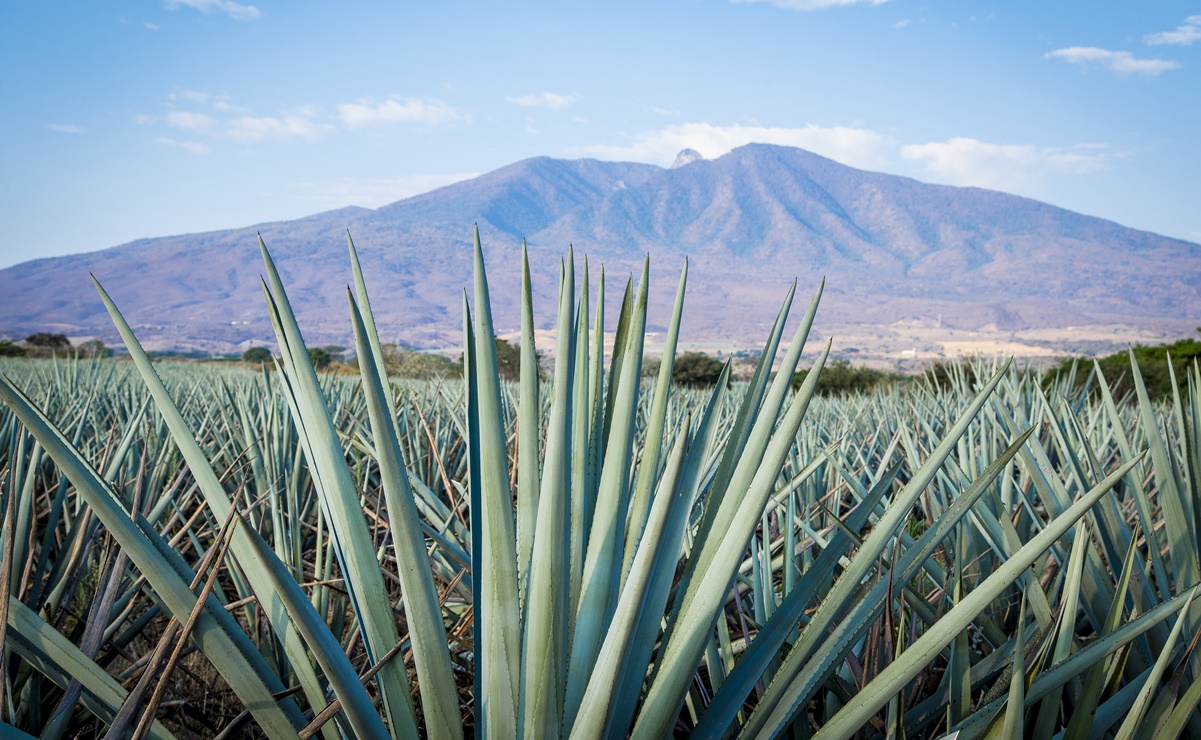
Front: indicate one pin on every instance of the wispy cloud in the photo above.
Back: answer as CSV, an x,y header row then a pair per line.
x,y
195,147
1185,34
190,121
66,128
369,113
152,26
858,147
234,10
1020,168
374,192
813,4
1122,62
253,129
301,123
967,161
550,100
217,101
665,111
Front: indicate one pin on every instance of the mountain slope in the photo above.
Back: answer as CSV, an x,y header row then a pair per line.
x,y
750,221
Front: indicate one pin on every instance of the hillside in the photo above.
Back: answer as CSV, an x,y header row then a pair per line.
x,y
892,249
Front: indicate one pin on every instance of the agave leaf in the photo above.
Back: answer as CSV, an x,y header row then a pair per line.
x,y
528,434
602,563
1015,709
248,557
1048,712
1135,716
1086,704
960,667
544,654
581,421
60,661
595,715
648,468
873,696
1182,542
642,642
753,664
498,622
751,456
339,498
1178,719
683,648
784,694
423,611
216,633
1141,503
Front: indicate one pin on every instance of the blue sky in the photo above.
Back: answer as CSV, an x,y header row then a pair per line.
x,y
131,119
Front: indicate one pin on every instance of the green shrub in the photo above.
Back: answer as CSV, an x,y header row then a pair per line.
x,y
46,340
8,349
696,370
403,361
257,355
840,378
1152,363
319,357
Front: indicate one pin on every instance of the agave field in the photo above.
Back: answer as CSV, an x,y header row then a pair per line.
x,y
198,552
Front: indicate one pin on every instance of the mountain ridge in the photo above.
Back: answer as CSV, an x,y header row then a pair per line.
x,y
892,248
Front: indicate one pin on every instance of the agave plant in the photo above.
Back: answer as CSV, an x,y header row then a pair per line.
x,y
593,556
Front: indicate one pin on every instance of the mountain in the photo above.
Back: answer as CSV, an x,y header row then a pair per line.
x,y
891,248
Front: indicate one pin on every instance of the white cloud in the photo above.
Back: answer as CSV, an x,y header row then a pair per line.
x,y
665,111
902,23
813,4
858,147
237,11
195,147
1184,34
152,26
251,129
299,123
374,192
190,121
217,101
1122,62
66,128
966,161
1019,168
553,101
430,112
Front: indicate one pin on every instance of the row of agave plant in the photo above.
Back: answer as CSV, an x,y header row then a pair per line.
x,y
596,556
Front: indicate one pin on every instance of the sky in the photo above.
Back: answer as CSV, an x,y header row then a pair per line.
x,y
125,120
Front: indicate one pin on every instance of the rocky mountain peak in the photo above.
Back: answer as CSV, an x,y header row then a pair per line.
x,y
688,156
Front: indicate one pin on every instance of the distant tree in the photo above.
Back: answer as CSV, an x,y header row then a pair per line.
x,y
508,359
257,355
319,357
944,374
8,349
696,370
403,361
1152,365
650,366
840,377
46,340
335,351
94,348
